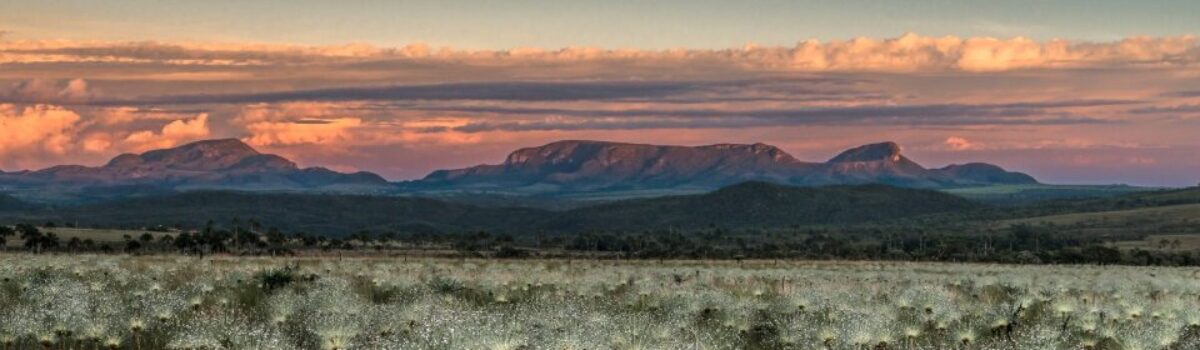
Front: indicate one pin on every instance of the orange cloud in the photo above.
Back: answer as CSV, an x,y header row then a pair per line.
x,y
35,131
959,143
342,125
322,132
42,135
174,133
114,116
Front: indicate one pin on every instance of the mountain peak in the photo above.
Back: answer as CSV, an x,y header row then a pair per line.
x,y
888,151
201,155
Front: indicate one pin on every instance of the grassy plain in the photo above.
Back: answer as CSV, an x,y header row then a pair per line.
x,y
178,302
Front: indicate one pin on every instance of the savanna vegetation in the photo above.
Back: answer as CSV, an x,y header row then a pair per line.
x,y
177,302
749,221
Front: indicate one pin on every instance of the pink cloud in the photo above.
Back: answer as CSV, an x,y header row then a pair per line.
x,y
959,143
339,131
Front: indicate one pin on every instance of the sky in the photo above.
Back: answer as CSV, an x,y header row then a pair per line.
x,y
1087,92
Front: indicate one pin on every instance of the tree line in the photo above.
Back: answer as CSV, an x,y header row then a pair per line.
x,y
1020,243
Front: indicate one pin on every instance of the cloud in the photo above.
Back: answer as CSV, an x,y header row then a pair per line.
x,y
174,133
1021,113
341,127
43,135
338,131
1176,109
957,143
114,116
35,131
47,91
907,53
507,91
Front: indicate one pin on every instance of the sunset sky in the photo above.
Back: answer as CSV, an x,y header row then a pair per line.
x,y
1094,92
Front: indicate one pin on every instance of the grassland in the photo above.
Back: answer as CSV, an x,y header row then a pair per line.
x,y
168,302
1175,243
1148,215
1024,194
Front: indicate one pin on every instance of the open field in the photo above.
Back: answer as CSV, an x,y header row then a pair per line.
x,y
1186,242
1038,192
169,302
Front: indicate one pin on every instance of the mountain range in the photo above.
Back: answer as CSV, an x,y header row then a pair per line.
x,y
555,168
212,164
582,166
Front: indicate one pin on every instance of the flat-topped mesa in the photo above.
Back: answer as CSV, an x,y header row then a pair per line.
x,y
580,165
593,164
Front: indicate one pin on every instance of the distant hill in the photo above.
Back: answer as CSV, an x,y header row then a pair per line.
x,y
747,205
9,203
761,204
213,164
583,166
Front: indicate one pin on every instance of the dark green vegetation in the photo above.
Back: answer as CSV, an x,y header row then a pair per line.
x,y
760,204
752,204
750,220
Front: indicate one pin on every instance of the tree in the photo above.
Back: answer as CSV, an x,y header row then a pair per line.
x,y
146,239
185,243
6,232
32,236
132,246
74,244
